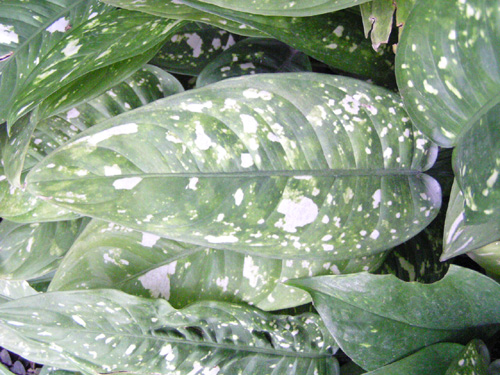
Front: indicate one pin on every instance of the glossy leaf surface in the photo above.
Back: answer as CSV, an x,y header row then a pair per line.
x,y
28,251
448,65
107,331
253,56
111,256
379,319
254,163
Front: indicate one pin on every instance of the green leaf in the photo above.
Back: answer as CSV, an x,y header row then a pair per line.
x,y
476,162
4,370
252,56
175,10
300,164
473,359
403,9
28,251
144,86
336,39
97,38
448,65
433,359
488,257
111,256
47,370
190,49
380,319
14,289
377,20
299,8
460,237
109,331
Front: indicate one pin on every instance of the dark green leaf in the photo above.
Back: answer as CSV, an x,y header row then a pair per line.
x,y
106,331
252,56
377,319
473,359
448,65
111,256
295,164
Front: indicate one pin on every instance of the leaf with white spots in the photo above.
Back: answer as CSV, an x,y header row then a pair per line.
x,y
28,251
434,359
106,331
337,39
192,47
448,65
14,289
174,9
308,185
144,86
473,359
460,237
377,20
95,36
108,255
252,56
476,163
378,319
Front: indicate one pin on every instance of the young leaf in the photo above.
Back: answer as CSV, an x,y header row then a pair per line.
x,y
192,47
106,331
448,65
252,56
473,359
461,237
111,256
488,257
28,251
295,164
433,359
377,20
94,41
380,319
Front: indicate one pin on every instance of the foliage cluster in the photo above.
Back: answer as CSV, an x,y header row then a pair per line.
x,y
250,186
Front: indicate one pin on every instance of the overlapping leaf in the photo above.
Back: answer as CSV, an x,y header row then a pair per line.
x,y
194,45
377,20
253,56
111,256
109,331
296,164
13,289
473,359
448,65
379,319
71,39
488,257
21,152
28,251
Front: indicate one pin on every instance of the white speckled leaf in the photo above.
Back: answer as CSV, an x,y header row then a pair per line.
x,y
106,331
14,289
112,256
434,359
337,39
310,164
71,40
461,237
375,327
192,47
476,163
144,86
28,251
448,65
253,56
473,359
175,10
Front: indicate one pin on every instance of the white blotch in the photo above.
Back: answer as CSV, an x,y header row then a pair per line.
x,y
8,35
273,137
172,138
421,143
247,66
72,113
223,283
246,160
222,239
492,179
443,63
429,88
130,349
79,320
338,31
195,42
202,141
72,48
376,198
197,107
216,43
238,197
193,181
297,214
126,183
94,139
60,25
452,35
375,234
157,281
350,104
168,352
149,239
387,153
251,271
114,170
250,125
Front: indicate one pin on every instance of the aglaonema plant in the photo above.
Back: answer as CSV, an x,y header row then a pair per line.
x,y
232,187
